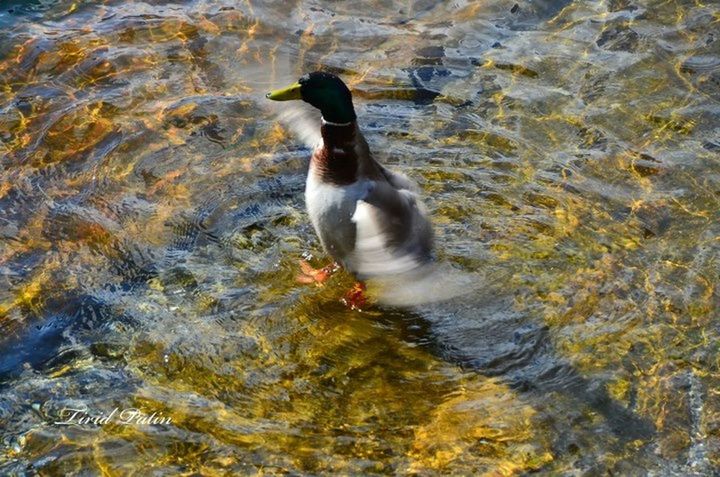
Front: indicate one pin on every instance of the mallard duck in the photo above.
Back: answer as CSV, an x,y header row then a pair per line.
x,y
369,219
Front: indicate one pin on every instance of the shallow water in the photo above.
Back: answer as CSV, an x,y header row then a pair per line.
x,y
152,218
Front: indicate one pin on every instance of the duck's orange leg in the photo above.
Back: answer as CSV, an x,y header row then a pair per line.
x,y
355,299
308,274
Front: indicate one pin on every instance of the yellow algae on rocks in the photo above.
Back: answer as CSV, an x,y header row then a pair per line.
x,y
484,429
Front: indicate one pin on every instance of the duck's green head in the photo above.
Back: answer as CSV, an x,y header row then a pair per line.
x,y
323,90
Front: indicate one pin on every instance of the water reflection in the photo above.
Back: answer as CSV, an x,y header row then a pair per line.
x,y
151,219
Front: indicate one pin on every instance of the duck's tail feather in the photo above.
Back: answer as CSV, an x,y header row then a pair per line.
x,y
429,283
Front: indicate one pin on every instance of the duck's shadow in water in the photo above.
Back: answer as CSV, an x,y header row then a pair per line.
x,y
487,336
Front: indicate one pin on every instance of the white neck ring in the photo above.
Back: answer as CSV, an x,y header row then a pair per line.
x,y
330,123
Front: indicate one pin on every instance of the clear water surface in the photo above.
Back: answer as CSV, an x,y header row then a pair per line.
x,y
152,218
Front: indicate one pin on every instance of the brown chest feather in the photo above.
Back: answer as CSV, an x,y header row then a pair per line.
x,y
336,161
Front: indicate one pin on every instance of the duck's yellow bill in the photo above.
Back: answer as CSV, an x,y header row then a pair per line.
x,y
285,94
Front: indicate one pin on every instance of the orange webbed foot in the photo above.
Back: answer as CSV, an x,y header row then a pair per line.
x,y
308,274
355,299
